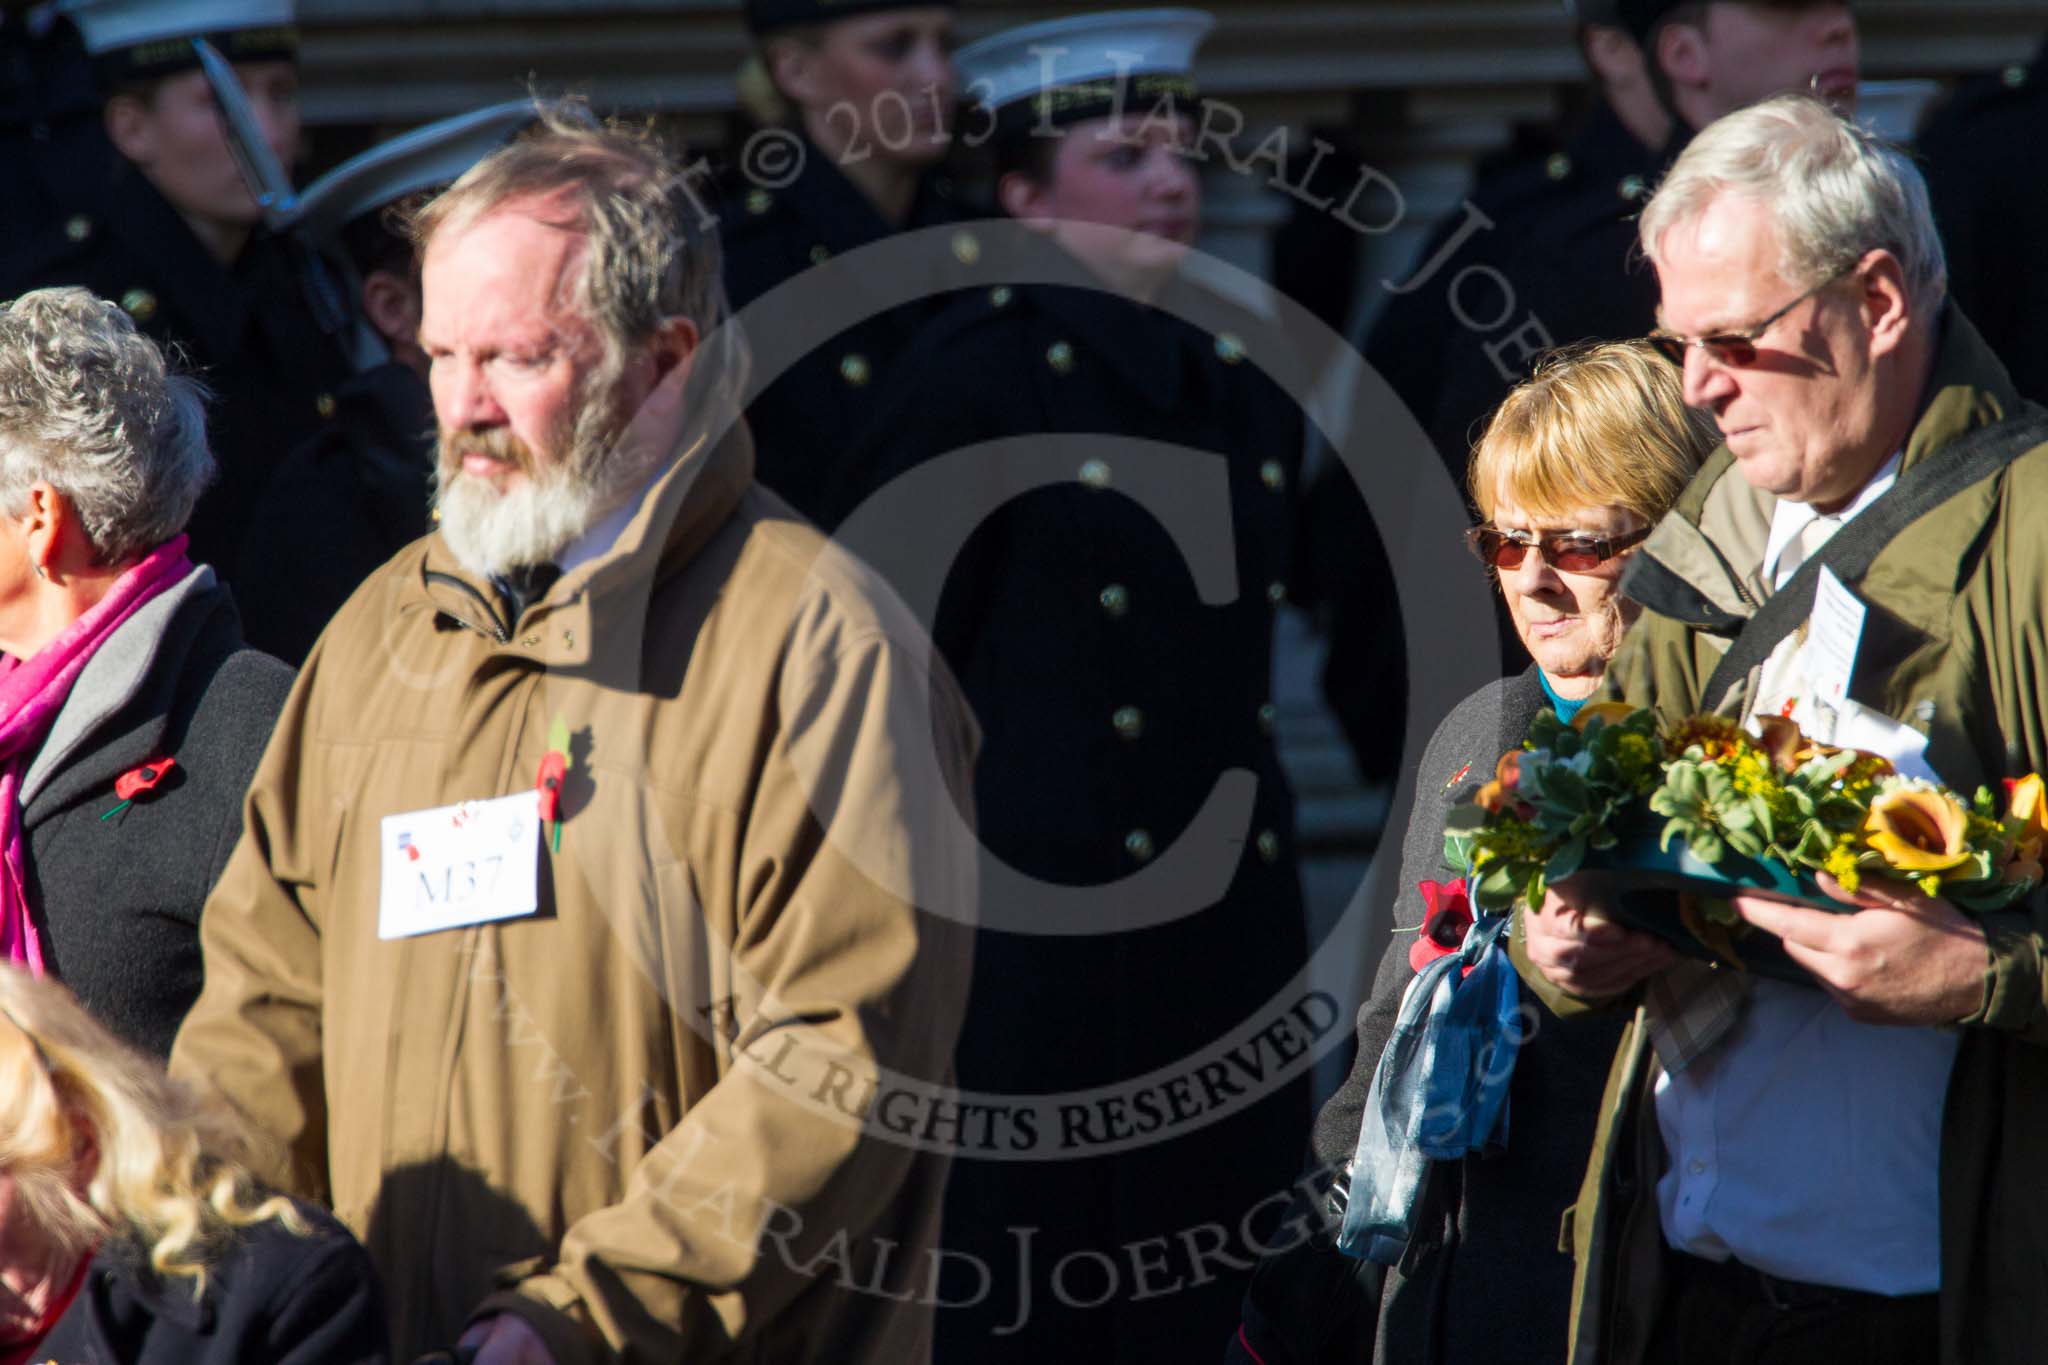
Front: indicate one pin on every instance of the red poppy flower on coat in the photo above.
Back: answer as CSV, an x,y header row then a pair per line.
x,y
1447,915
554,766
145,778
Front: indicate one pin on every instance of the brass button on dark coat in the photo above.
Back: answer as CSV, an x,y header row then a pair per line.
x,y
1115,599
1138,843
1128,721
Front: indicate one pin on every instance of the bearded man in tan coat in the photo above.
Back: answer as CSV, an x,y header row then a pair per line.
x,y
575,928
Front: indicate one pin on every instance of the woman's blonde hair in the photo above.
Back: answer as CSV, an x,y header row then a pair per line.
x,y
1601,425
171,1172
760,98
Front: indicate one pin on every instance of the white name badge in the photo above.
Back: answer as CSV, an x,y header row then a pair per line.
x,y
1835,629
459,865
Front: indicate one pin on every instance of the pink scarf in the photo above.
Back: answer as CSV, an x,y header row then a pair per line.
x,y
32,692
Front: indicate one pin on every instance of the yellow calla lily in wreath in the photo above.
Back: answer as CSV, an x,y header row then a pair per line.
x,y
1918,830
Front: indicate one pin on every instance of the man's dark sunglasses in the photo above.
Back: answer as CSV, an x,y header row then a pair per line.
x,y
1736,348
1571,551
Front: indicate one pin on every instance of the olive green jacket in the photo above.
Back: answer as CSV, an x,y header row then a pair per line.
x,y
1956,645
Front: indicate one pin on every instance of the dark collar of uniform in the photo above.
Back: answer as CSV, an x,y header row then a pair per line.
x,y
1611,162
1610,151
1148,349
840,216
171,263
389,415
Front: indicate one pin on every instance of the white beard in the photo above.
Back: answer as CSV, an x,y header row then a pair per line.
x,y
491,532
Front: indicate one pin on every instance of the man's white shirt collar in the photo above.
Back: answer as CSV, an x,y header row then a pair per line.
x,y
1791,518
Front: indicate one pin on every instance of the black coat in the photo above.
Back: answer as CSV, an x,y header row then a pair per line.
x,y
1565,240
249,332
1989,211
341,504
806,421
1484,1280
271,1298
117,900
54,152
1112,698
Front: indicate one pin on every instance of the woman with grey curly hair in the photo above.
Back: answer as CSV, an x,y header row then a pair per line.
x,y
131,718
131,1231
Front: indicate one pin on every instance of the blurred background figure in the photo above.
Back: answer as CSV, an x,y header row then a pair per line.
x,y
174,236
53,150
1565,247
1575,468
858,96
1990,210
1111,695
131,717
131,1232
360,487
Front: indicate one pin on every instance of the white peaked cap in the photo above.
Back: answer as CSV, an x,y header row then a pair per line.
x,y
112,25
1020,62
419,160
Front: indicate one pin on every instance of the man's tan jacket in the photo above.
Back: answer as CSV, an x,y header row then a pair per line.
x,y
633,1117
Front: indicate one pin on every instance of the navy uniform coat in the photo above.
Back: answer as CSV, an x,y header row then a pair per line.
x,y
53,147
249,332
1111,698
1990,208
351,497
809,417
1565,239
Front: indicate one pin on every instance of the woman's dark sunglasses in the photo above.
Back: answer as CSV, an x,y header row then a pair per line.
x,y
1571,551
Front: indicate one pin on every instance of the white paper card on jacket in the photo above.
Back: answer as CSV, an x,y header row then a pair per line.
x,y
458,865
1836,630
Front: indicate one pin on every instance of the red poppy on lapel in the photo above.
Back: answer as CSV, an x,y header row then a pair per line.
x,y
1447,917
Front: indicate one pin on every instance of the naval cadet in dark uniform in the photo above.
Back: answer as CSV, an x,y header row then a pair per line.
x,y
359,490
1990,202
855,98
1113,695
175,237
53,151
